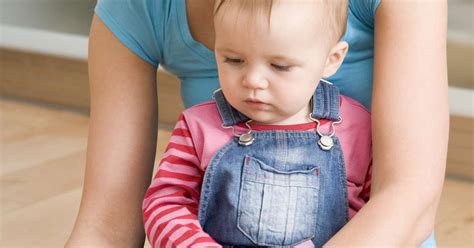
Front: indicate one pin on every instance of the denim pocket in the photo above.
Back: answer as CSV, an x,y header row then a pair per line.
x,y
277,207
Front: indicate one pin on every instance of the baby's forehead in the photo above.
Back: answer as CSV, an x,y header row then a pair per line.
x,y
325,17
284,40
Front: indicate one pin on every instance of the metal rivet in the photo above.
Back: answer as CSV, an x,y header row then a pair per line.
x,y
327,141
246,139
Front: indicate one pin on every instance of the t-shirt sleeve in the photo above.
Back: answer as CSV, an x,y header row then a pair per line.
x,y
171,203
136,23
364,10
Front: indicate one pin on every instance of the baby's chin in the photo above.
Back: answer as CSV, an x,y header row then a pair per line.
x,y
271,116
260,117
269,119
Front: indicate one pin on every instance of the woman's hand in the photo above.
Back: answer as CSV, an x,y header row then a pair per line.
x,y
121,145
410,120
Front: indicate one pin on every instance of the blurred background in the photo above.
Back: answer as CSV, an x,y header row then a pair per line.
x,y
44,106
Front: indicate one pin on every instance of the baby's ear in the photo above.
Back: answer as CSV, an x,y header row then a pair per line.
x,y
335,57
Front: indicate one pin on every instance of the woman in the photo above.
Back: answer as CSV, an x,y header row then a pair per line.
x,y
130,38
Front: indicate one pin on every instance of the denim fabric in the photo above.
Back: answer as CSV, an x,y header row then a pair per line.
x,y
281,190
326,102
232,116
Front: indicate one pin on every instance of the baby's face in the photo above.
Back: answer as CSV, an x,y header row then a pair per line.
x,y
269,73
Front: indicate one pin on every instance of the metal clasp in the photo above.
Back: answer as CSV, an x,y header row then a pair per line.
x,y
325,141
245,139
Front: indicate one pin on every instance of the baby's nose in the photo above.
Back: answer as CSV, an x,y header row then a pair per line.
x,y
255,80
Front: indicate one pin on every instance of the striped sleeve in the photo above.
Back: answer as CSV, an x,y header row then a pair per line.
x,y
171,202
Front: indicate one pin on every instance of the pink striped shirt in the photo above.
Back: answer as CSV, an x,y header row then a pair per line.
x,y
171,203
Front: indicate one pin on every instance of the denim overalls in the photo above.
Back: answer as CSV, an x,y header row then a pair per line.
x,y
279,191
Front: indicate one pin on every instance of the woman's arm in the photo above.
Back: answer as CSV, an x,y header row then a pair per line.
x,y
121,144
410,120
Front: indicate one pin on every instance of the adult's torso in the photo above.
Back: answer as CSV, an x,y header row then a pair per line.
x,y
200,22
178,35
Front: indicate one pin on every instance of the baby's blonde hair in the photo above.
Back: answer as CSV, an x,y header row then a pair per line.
x,y
335,21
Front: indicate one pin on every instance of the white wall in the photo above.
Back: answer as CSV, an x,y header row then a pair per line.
x,y
57,27
66,16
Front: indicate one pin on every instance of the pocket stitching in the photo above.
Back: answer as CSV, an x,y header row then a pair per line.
x,y
244,179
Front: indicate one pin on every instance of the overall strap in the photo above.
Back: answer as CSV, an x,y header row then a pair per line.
x,y
326,102
229,115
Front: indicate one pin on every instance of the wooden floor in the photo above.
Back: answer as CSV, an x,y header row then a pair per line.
x,y
42,165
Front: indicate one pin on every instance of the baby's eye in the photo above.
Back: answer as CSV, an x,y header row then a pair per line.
x,y
232,60
281,67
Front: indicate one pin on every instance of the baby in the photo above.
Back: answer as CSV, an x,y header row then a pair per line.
x,y
279,158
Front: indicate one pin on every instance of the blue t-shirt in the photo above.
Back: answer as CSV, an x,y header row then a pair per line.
x,y
158,32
